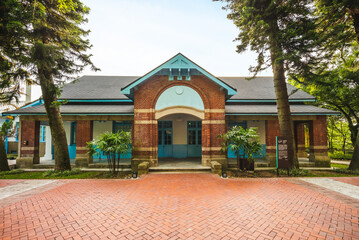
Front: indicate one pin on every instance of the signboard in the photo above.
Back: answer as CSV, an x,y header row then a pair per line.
x,y
282,152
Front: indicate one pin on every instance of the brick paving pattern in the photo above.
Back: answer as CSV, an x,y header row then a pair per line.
x,y
179,206
349,180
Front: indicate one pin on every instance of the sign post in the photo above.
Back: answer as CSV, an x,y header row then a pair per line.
x,y
282,154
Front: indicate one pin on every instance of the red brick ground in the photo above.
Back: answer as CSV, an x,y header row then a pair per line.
x,y
181,206
4,183
350,180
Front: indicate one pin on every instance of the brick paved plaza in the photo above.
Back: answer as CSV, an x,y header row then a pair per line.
x,y
179,206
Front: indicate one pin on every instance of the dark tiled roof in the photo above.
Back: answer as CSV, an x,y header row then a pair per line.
x,y
109,87
97,87
79,109
272,109
260,88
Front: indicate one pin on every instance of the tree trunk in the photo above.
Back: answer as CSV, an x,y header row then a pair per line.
x,y
49,94
4,166
354,163
280,87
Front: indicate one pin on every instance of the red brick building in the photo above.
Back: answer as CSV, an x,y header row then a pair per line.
x,y
175,111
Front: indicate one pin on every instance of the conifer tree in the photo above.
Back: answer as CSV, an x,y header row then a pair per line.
x,y
282,34
54,51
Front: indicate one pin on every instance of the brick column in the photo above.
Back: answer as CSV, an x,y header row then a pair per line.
x,y
84,134
144,138
29,144
300,140
272,130
318,142
213,125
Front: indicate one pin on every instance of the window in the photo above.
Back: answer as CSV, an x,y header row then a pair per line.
x,y
42,133
73,133
231,124
17,132
119,126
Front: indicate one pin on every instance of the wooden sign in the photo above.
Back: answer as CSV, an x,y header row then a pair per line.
x,y
282,152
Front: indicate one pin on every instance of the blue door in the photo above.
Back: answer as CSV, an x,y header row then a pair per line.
x,y
72,146
165,139
194,138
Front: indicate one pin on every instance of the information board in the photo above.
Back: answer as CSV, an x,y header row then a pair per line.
x,y
282,153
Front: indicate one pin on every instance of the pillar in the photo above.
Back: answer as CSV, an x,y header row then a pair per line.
x,y
29,144
144,138
84,134
318,142
272,130
213,125
300,140
48,145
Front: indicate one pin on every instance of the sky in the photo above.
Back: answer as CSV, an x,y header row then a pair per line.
x,y
132,37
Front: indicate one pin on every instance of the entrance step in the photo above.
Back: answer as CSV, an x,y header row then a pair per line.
x,y
105,165
306,164
256,165
160,169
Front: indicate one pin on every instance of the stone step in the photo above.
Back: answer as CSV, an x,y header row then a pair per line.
x,y
179,169
306,164
105,165
256,165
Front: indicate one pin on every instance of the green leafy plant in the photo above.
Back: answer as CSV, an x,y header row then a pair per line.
x,y
112,145
244,142
65,173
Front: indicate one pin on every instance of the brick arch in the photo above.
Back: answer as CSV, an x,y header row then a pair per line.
x,y
198,90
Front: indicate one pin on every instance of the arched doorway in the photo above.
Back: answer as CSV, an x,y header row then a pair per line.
x,y
179,112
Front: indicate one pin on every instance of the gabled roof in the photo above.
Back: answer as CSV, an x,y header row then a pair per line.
x,y
261,89
179,61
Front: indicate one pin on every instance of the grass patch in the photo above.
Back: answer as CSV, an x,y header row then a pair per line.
x,y
340,172
341,166
73,174
341,156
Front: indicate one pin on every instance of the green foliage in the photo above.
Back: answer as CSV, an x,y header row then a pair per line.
x,y
6,128
264,25
340,155
346,171
338,134
336,165
237,139
112,145
64,173
12,172
295,172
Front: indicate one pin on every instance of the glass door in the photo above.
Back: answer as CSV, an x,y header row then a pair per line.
x,y
194,138
165,139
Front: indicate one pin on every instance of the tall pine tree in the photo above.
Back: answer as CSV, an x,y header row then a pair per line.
x,y
281,33
53,49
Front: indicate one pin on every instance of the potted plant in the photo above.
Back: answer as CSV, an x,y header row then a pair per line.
x,y
112,145
245,144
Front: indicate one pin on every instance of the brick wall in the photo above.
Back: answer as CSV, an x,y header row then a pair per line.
x,y
29,145
145,124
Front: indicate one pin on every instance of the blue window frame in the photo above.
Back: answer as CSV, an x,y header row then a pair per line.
x,y
118,126
73,133
231,124
17,132
42,133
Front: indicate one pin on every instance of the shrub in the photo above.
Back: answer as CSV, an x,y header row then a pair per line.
x,y
17,171
341,155
65,173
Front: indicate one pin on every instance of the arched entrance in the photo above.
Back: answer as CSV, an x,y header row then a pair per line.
x,y
179,112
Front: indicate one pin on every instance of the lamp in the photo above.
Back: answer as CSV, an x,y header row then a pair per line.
x,y
224,175
134,175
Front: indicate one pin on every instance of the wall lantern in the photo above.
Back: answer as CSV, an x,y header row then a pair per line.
x,y
134,175
224,175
